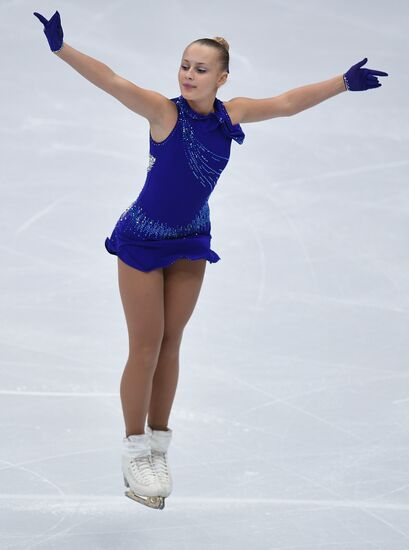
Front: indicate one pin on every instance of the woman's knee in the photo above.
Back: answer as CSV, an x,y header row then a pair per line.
x,y
143,356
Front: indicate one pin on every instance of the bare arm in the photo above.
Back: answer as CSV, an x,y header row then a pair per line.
x,y
307,96
147,103
93,70
247,109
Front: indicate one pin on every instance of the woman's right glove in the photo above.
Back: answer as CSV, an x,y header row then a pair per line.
x,y
52,30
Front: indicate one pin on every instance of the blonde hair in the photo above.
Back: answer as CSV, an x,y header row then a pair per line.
x,y
221,41
223,47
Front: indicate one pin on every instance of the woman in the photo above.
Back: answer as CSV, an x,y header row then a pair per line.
x,y
162,240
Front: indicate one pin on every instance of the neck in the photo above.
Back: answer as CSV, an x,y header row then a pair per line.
x,y
200,107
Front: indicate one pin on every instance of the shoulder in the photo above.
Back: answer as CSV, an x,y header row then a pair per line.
x,y
234,108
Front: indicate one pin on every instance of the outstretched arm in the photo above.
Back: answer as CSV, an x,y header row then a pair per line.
x,y
246,109
307,96
356,79
147,103
93,70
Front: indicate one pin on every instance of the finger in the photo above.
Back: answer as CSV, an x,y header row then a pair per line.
x,y
362,62
56,17
380,73
374,85
374,82
43,20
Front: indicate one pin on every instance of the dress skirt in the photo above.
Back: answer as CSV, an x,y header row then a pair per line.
x,y
147,255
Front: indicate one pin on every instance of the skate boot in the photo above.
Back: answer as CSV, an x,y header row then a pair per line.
x,y
138,472
160,441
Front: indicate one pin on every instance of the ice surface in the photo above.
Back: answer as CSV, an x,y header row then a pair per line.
x,y
291,417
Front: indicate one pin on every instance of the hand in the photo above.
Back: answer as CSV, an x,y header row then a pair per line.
x,y
357,79
52,30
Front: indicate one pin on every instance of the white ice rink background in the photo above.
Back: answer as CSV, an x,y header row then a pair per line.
x,y
291,415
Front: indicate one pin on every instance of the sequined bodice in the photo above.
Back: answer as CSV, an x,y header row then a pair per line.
x,y
182,172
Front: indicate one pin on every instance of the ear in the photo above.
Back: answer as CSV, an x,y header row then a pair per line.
x,y
222,78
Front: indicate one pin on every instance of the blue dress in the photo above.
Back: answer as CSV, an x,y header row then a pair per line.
x,y
170,218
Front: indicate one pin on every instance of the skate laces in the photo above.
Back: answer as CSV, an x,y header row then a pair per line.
x,y
142,467
160,462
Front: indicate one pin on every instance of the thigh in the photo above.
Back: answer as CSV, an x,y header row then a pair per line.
x,y
142,299
182,283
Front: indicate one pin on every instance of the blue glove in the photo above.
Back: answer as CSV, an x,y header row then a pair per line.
x,y
357,79
52,30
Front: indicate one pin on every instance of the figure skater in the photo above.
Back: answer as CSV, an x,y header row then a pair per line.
x,y
162,240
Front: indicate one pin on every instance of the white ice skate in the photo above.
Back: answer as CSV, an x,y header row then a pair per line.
x,y
160,441
139,473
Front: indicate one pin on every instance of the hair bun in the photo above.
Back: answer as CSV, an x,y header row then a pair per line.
x,y
222,41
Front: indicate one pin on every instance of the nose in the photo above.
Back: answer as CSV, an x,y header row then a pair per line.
x,y
188,71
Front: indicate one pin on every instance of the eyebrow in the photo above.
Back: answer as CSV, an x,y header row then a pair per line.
x,y
199,63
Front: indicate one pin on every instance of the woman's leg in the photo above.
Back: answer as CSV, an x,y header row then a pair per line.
x,y
142,300
182,283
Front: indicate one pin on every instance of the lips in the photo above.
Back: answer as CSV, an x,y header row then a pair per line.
x,y
188,86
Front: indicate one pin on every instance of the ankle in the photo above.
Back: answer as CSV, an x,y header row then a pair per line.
x,y
159,428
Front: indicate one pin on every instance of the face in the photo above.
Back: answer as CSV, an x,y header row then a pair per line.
x,y
200,67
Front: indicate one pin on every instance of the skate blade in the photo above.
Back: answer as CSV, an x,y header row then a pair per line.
x,y
152,502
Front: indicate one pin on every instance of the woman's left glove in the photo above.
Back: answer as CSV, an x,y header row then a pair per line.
x,y
357,79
